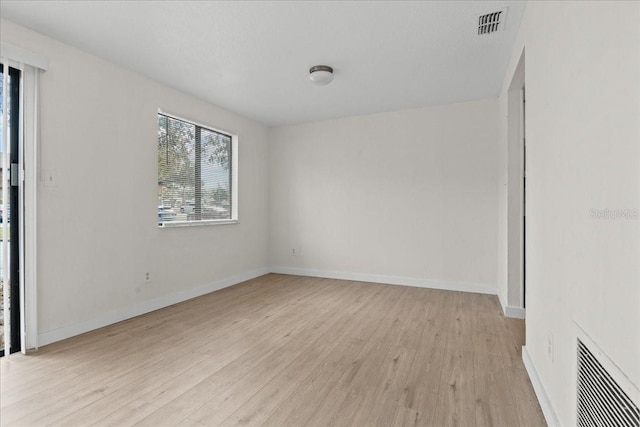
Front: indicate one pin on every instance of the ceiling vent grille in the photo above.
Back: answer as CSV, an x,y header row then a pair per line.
x,y
491,22
601,401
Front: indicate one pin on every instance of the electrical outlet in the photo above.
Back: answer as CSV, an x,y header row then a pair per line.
x,y
293,252
147,277
550,345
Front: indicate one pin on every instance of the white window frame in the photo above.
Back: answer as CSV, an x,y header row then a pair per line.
x,y
234,179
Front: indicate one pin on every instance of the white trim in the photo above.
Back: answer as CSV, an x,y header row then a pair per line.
x,y
235,156
523,195
115,316
479,288
193,122
22,142
514,312
234,175
501,299
510,311
174,224
545,403
5,222
23,56
30,183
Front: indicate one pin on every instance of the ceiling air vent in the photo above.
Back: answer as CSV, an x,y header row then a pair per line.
x,y
491,22
601,400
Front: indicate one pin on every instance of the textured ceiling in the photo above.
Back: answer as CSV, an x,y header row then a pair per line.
x,y
253,57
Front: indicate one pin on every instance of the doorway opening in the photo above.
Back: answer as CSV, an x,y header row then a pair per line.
x,y
516,192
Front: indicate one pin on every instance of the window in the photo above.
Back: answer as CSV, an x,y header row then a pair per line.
x,y
195,174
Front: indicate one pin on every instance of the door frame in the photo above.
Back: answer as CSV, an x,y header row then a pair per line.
x,y
516,194
31,66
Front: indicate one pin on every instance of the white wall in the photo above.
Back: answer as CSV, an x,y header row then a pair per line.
x,y
97,226
583,153
402,197
413,196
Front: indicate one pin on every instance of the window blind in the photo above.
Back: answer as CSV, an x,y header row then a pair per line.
x,y
194,172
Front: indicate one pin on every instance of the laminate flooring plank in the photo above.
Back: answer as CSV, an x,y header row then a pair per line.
x,y
256,410
283,350
308,396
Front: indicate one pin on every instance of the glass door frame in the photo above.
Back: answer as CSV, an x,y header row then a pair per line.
x,y
11,203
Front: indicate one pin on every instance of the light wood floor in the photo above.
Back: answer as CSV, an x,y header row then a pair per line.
x,y
285,351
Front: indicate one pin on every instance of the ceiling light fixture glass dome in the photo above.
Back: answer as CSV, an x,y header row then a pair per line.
x,y
321,74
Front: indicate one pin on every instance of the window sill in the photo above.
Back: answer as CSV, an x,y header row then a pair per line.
x,y
177,224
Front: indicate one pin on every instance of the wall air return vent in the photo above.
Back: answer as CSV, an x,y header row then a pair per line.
x,y
601,401
491,22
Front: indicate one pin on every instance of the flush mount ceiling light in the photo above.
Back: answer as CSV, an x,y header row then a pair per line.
x,y
321,74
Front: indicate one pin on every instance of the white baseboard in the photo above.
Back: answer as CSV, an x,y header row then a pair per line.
x,y
509,311
115,316
514,312
541,394
138,309
479,288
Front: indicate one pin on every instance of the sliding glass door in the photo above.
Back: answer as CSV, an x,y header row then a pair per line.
x,y
10,105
